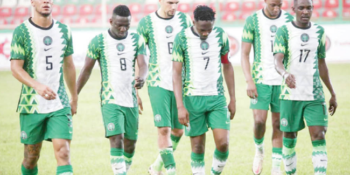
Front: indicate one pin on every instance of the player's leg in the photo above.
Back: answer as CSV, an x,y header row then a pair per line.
x,y
161,102
114,123
61,149
219,121
276,132
176,127
32,135
291,121
260,107
221,137
197,155
31,157
196,107
130,136
317,120
60,130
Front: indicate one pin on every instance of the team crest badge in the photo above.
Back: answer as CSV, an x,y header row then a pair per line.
x,y
284,122
204,45
24,135
120,47
304,37
273,29
47,40
157,118
254,101
110,127
169,29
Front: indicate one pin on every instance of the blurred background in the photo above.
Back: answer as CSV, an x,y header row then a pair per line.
x,y
91,13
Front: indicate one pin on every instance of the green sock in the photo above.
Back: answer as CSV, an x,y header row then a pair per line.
x,y
289,155
117,161
33,171
259,144
175,141
319,157
128,159
168,160
219,162
276,158
65,170
197,163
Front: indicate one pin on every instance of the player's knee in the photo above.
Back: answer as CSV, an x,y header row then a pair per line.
x,y
177,132
164,131
259,123
30,161
276,126
198,148
222,146
129,146
318,135
63,153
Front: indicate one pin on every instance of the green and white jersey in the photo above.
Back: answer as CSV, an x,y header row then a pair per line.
x,y
302,48
260,30
159,34
202,61
117,62
43,51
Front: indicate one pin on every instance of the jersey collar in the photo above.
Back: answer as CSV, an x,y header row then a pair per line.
x,y
42,28
271,18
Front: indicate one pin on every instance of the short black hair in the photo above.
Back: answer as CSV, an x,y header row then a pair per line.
x,y
296,2
122,10
204,13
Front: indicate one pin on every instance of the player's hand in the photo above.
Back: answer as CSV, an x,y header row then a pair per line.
x,y
139,102
332,105
45,92
251,90
232,108
73,106
183,115
290,80
139,82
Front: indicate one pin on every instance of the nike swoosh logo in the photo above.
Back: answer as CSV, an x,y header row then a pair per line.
x,y
70,132
169,36
47,49
325,119
121,53
322,160
290,164
221,166
303,44
203,53
272,36
227,123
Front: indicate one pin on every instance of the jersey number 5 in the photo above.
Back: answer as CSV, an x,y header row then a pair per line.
x,y
48,63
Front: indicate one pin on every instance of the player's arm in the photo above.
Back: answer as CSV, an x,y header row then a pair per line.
x,y
142,71
229,74
322,66
85,73
70,78
251,88
279,50
21,75
323,69
247,40
178,59
230,82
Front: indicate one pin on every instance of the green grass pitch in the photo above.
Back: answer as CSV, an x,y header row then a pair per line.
x,y
90,149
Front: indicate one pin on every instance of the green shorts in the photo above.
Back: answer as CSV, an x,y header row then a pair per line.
x,y
38,127
120,120
164,108
206,112
294,112
268,95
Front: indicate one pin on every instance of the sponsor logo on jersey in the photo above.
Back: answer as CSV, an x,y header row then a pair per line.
x,y
304,37
120,47
110,127
169,29
203,53
204,45
47,40
284,122
273,29
47,49
24,135
157,118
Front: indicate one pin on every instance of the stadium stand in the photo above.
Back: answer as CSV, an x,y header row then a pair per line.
x,y
88,13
